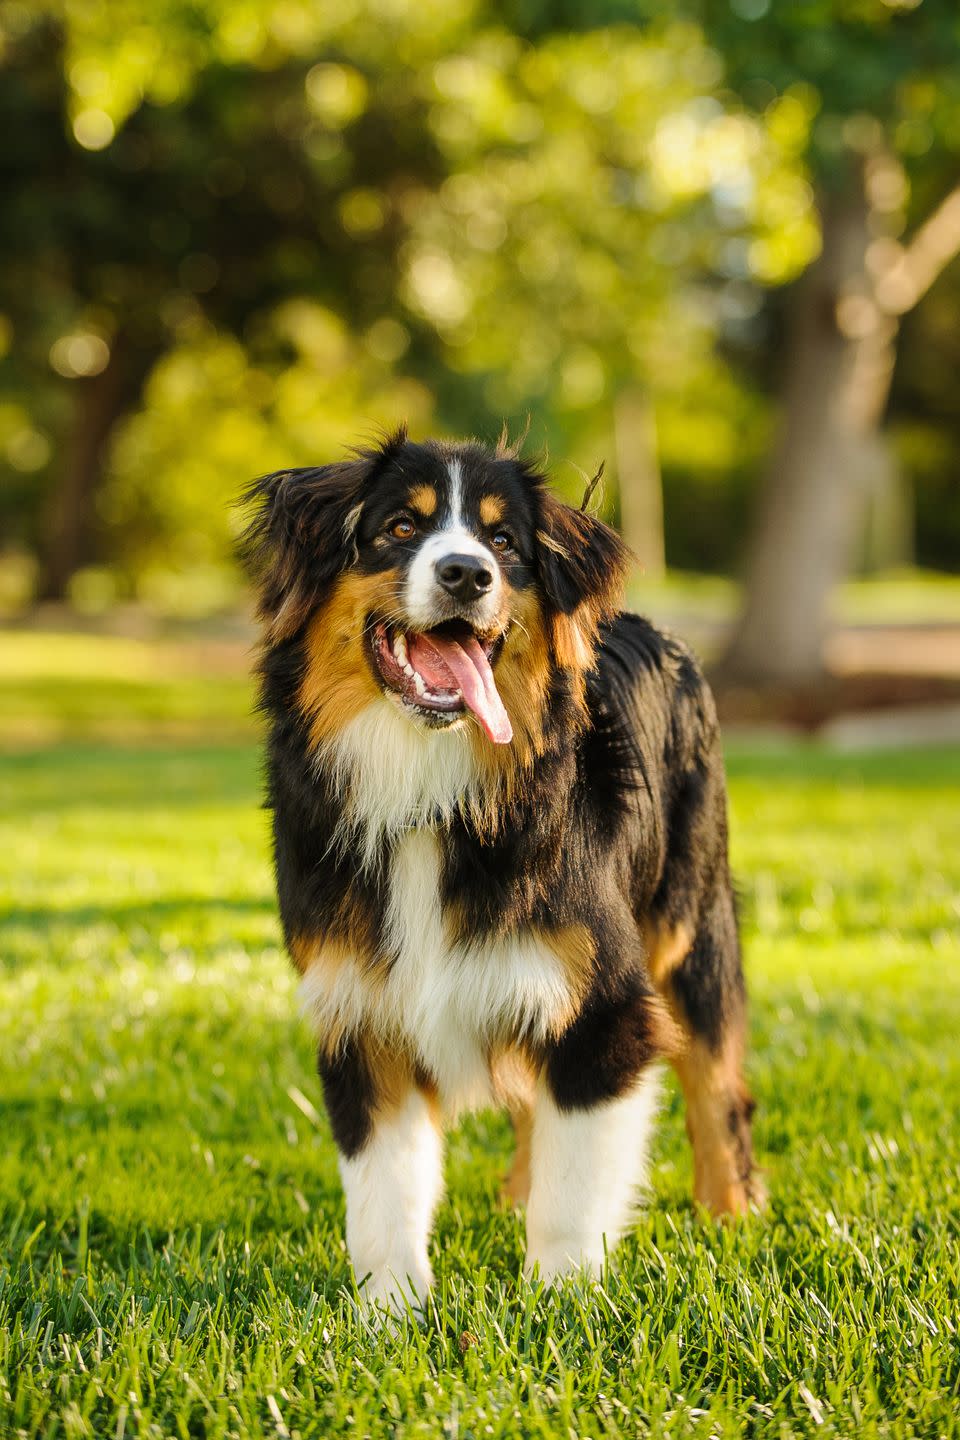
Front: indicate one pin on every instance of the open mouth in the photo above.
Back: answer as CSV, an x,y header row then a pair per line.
x,y
442,673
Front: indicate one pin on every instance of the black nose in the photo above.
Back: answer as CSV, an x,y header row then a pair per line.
x,y
465,577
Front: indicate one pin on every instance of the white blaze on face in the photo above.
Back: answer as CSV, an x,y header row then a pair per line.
x,y
424,597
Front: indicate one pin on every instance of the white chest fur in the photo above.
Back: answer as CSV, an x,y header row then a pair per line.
x,y
454,1001
449,1003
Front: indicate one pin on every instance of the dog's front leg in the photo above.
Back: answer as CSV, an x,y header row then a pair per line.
x,y
391,1163
593,1115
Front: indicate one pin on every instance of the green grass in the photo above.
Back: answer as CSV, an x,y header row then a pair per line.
x,y
171,1226
61,686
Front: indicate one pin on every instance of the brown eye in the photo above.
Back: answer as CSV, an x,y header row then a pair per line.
x,y
403,528
501,541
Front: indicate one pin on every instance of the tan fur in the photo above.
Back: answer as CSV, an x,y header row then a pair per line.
x,y
551,544
574,637
514,1077
515,1086
393,1074
516,1186
713,1085
491,509
577,951
507,449
667,1036
288,618
338,681
301,950
322,956
318,952
667,948
423,499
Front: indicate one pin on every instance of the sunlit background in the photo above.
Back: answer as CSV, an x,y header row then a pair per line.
x,y
712,244
714,251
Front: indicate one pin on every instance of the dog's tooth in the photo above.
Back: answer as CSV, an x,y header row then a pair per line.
x,y
400,648
419,686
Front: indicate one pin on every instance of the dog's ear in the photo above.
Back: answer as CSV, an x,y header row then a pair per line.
x,y
582,561
582,565
302,530
300,537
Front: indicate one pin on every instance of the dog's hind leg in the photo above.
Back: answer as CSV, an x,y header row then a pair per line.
x,y
719,1110
700,976
516,1185
515,1087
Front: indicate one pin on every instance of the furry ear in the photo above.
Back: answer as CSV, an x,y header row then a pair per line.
x,y
300,537
582,565
301,534
582,561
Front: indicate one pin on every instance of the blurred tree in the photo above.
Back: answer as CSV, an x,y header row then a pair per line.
x,y
234,235
601,190
925,406
210,169
343,192
883,78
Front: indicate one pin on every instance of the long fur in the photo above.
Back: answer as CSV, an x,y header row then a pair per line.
x,y
557,909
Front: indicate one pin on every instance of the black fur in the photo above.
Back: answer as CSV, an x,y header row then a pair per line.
x,y
350,1095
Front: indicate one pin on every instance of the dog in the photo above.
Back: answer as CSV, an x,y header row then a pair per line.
x,y
500,844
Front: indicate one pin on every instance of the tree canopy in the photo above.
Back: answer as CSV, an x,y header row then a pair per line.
x,y
243,235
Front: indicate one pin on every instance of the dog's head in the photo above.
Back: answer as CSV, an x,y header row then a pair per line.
x,y
445,578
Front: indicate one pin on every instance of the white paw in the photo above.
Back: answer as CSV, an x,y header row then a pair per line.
x,y
395,1291
552,1262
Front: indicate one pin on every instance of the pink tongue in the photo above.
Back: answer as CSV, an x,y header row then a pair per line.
x,y
447,664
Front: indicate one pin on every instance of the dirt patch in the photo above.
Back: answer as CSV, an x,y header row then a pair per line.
x,y
809,707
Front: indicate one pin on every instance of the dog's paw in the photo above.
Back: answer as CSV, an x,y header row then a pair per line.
x,y
387,1296
733,1201
555,1262
757,1194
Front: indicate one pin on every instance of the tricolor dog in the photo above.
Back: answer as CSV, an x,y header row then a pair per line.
x,y
500,838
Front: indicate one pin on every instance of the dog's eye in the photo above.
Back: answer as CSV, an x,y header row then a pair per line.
x,y
501,541
402,528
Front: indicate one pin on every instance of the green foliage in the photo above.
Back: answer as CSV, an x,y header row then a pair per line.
x,y
171,1242
253,233
872,68
593,182
293,224
220,199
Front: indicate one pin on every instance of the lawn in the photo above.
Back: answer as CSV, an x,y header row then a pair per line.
x,y
171,1227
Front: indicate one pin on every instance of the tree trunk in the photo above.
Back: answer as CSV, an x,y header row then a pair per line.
x,y
99,403
842,347
638,475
